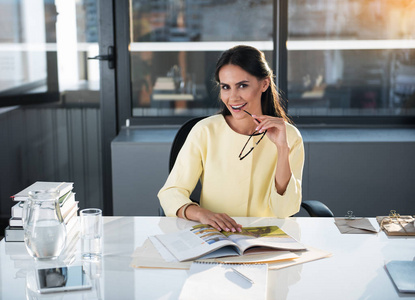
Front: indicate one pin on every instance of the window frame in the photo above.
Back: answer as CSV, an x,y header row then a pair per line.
x,y
280,67
26,94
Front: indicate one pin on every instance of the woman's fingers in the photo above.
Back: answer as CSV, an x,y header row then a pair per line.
x,y
268,122
220,222
275,127
227,223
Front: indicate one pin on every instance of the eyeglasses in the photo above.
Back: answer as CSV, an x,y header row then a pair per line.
x,y
242,155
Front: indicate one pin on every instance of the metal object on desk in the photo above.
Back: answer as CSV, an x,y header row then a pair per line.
x,y
350,215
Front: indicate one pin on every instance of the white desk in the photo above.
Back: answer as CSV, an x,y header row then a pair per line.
x,y
355,271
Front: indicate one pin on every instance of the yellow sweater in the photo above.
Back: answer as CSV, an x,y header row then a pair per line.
x,y
239,188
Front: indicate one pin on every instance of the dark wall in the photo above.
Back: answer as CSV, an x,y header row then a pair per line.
x,y
50,144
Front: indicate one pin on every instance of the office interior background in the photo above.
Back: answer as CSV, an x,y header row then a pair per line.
x,y
93,92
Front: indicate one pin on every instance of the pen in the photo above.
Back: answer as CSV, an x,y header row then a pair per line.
x,y
243,276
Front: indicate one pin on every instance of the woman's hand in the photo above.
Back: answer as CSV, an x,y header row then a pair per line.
x,y
276,129
219,221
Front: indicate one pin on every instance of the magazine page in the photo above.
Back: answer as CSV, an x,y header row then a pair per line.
x,y
263,236
195,242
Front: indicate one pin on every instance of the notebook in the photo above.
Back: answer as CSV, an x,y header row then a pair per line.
x,y
225,281
403,275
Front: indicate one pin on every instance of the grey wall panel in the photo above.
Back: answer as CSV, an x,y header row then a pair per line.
x,y
46,135
33,154
92,148
62,144
368,178
139,171
362,174
4,167
40,145
84,156
11,151
399,177
77,155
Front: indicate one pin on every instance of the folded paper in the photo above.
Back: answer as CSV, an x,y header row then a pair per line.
x,y
354,226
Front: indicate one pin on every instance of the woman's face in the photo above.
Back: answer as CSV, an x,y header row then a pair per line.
x,y
240,91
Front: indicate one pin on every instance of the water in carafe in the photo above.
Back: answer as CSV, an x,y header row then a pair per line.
x,y
44,228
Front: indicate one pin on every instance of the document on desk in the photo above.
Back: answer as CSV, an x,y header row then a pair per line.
x,y
151,255
354,226
397,225
223,281
147,256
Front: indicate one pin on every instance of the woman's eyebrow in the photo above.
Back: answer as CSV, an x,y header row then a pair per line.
x,y
238,83
243,81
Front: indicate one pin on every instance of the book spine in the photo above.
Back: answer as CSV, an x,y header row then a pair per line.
x,y
71,213
16,222
17,210
14,235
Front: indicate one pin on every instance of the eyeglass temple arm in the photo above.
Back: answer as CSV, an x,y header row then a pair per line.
x,y
251,116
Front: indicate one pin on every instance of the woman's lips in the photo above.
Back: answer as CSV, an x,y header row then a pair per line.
x,y
238,107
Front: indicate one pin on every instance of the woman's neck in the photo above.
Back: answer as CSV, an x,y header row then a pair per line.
x,y
244,126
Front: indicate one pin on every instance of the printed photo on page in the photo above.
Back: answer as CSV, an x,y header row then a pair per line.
x,y
200,240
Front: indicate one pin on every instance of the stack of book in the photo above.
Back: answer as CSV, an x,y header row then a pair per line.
x,y
68,206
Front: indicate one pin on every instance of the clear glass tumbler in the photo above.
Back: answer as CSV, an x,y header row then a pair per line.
x,y
91,233
44,227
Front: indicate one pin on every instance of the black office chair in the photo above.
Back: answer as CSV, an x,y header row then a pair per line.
x,y
313,207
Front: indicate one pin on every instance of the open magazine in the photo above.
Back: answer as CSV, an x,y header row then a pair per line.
x,y
204,241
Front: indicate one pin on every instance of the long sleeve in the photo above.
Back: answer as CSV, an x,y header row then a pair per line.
x,y
183,177
289,203
229,185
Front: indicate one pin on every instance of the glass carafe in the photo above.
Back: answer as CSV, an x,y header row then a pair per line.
x,y
44,228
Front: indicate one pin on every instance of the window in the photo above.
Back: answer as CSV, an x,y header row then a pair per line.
x,y
44,50
351,58
23,48
174,46
345,58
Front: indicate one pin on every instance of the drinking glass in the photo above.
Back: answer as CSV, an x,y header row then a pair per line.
x,y
91,233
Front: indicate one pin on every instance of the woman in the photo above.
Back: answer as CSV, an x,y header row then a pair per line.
x,y
263,182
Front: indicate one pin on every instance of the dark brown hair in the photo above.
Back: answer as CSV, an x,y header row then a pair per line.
x,y
253,61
